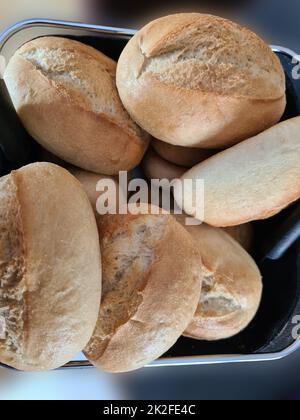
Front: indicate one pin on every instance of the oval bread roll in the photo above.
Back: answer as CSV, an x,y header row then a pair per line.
x,y
151,287
200,81
50,274
253,180
154,167
181,156
232,286
66,97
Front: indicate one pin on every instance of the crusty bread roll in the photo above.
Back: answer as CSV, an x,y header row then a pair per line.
x,y
151,287
154,167
243,234
253,180
200,81
50,274
232,286
186,157
65,95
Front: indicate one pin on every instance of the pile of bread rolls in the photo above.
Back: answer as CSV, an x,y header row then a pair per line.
x,y
205,94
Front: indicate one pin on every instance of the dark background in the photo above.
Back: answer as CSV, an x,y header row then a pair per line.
x,y
276,20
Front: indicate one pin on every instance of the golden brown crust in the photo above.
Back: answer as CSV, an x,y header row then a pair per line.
x,y
60,287
253,180
152,280
66,96
200,81
232,286
222,50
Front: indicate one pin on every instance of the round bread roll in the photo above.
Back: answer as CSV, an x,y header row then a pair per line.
x,y
50,274
253,180
151,287
66,97
186,157
200,81
90,180
243,234
154,167
232,286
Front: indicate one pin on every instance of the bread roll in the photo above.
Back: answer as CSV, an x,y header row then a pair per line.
x,y
151,287
50,274
243,234
253,180
232,286
66,97
186,157
200,81
154,167
90,180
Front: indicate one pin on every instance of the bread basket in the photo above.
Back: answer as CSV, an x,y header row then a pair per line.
x,y
271,335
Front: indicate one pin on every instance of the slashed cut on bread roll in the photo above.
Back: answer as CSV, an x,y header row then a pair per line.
x,y
181,156
66,96
200,81
232,286
155,167
50,273
253,180
151,287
